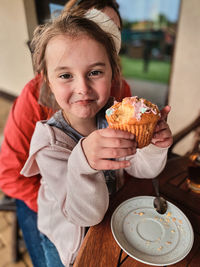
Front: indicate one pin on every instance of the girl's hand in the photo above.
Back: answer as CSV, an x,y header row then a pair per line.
x,y
104,145
162,135
164,113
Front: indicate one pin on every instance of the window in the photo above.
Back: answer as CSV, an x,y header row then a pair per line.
x,y
148,39
48,8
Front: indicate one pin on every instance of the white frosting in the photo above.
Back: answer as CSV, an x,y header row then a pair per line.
x,y
138,104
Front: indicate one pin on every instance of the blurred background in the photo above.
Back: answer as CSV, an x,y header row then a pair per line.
x,y
160,53
148,40
160,58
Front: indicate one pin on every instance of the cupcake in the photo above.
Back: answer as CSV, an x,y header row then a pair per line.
x,y
136,115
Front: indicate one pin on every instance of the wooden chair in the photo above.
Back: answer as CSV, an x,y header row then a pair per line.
x,y
193,126
8,204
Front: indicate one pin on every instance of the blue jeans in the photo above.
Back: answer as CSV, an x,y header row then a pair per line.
x,y
41,250
50,252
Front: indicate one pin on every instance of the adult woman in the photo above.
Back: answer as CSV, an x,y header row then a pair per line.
x,y
26,111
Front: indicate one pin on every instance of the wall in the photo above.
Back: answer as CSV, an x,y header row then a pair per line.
x,y
16,29
184,96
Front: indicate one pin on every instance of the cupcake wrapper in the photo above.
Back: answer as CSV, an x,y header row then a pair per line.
x,y
143,133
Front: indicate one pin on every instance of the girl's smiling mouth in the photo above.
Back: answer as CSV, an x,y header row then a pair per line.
x,y
82,101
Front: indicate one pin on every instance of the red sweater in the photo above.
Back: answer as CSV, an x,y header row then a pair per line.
x,y
18,131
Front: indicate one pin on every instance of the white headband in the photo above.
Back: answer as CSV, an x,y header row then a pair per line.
x,y
106,24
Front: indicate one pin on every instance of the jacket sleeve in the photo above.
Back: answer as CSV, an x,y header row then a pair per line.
x,y
15,147
67,179
148,162
80,191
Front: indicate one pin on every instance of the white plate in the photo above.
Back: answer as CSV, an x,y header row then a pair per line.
x,y
150,237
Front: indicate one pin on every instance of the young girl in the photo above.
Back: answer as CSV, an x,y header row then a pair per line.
x,y
73,150
27,109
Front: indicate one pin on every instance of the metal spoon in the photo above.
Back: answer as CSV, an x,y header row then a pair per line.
x,y
160,204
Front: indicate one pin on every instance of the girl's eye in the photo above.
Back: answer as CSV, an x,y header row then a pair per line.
x,y
65,76
95,73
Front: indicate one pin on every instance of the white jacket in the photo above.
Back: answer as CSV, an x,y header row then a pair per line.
x,y
72,195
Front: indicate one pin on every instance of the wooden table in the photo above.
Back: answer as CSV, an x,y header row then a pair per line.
x,y
99,249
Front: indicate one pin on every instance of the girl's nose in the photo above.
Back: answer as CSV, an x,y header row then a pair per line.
x,y
82,85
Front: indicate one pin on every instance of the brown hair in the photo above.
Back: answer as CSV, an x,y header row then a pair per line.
x,y
75,5
71,26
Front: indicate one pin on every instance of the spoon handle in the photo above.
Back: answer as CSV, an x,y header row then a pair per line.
x,y
156,186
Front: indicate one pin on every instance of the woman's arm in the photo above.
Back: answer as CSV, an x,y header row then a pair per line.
x,y
15,147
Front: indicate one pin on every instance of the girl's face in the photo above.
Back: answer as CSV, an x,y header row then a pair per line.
x,y
79,75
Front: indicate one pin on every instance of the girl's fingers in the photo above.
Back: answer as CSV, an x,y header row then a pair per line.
x,y
107,142
164,112
164,143
108,132
161,126
115,153
163,134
